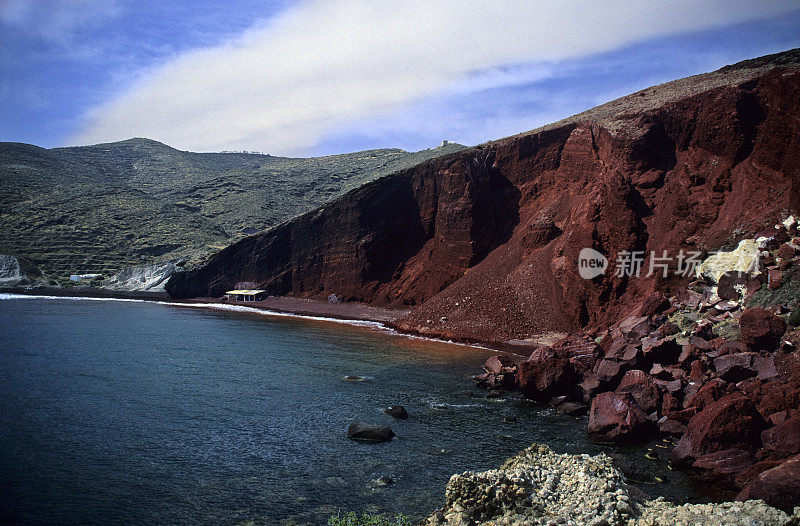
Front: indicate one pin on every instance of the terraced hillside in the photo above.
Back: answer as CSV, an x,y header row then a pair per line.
x,y
97,209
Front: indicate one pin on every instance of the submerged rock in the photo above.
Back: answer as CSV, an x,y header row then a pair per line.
x,y
396,411
369,433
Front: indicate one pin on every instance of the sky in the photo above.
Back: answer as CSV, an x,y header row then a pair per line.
x,y
302,78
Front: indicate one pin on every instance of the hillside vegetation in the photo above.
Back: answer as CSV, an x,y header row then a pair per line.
x,y
97,209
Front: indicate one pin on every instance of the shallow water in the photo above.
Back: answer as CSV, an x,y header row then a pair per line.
x,y
132,412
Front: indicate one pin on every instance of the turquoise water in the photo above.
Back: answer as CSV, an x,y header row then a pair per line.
x,y
130,412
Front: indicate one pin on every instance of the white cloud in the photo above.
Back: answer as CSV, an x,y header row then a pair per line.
x,y
286,83
56,22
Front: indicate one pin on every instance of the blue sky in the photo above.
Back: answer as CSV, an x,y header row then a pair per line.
x,y
315,78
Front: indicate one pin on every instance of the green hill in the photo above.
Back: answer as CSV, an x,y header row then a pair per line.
x,y
97,209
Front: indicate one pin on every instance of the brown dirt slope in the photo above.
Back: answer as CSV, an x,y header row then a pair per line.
x,y
483,244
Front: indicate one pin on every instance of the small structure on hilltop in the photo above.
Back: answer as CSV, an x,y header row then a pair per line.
x,y
245,295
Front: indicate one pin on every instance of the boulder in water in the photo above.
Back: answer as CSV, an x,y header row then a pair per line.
x,y
396,411
369,433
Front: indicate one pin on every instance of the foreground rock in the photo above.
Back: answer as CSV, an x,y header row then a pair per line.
x,y
618,418
779,486
369,433
538,486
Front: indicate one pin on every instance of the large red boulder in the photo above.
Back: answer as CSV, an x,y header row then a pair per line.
x,y
643,389
779,487
730,422
783,440
580,351
608,372
499,363
707,394
543,374
724,464
616,417
761,329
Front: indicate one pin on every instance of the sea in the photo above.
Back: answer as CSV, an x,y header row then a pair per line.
x,y
136,412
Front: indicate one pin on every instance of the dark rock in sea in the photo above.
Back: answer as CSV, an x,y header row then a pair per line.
x,y
381,482
396,411
730,422
588,387
616,417
761,329
369,433
500,363
779,486
745,477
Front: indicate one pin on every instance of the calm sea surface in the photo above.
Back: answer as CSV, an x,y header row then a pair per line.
x,y
129,412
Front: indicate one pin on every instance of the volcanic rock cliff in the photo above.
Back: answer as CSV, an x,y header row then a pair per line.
x,y
484,243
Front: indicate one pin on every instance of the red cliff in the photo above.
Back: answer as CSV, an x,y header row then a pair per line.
x,y
484,243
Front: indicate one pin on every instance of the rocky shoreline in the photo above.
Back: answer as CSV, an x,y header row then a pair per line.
x,y
714,368
540,487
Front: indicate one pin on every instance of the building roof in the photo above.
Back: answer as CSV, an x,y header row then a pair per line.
x,y
245,291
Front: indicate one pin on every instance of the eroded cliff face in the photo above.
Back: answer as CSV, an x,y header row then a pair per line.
x,y
484,243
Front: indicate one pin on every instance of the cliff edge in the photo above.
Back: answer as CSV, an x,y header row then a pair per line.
x,y
483,244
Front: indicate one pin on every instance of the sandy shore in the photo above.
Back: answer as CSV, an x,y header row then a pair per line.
x,y
352,311
309,307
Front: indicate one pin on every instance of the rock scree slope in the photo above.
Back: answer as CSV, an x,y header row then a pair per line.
x,y
484,243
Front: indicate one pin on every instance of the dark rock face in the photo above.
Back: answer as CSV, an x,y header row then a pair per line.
x,y
779,487
761,329
369,433
730,422
629,175
617,417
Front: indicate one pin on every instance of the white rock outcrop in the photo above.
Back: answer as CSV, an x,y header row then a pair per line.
x,y
150,278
